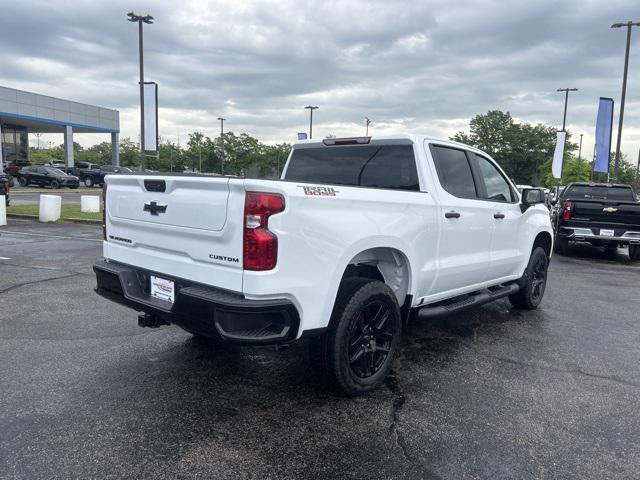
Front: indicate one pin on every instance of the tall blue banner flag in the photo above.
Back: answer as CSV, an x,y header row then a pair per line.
x,y
604,126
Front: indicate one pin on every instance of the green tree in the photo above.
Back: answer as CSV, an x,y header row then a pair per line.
x,y
521,149
129,153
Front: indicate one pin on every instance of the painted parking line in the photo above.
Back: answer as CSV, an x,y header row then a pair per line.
x,y
5,258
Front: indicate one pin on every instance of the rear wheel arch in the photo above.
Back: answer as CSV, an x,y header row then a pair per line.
x,y
386,264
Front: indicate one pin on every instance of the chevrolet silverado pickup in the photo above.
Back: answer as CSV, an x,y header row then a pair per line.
x,y
359,236
602,214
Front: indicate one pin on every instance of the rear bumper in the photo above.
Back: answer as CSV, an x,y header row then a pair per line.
x,y
585,234
200,309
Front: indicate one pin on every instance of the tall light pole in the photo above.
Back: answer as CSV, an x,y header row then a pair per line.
x,y
311,108
148,19
367,123
221,144
580,148
566,100
624,88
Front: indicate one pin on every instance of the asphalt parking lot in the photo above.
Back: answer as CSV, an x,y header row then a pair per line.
x,y
494,393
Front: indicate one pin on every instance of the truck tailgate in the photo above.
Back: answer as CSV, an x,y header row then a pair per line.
x,y
180,226
607,212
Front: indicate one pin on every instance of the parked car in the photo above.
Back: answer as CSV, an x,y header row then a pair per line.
x,y
5,187
359,236
95,176
602,214
46,177
12,170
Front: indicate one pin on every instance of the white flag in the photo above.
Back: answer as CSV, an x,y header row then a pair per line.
x,y
558,155
150,116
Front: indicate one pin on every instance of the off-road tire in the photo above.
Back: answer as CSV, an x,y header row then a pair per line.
x,y
354,314
533,282
88,182
634,252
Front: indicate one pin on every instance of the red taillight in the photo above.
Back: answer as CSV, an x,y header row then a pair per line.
x,y
104,212
260,249
567,210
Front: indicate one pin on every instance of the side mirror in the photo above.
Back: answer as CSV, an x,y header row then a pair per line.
x,y
531,196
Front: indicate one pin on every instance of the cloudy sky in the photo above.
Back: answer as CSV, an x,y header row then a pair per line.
x,y
419,66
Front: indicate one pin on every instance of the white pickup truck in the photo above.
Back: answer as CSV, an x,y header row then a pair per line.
x,y
359,236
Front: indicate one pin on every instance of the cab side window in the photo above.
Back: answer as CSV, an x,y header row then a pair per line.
x,y
496,186
454,171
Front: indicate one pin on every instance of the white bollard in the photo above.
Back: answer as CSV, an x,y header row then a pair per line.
x,y
89,203
3,210
50,206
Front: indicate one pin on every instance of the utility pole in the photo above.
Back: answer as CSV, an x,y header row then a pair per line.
x,y
221,144
311,108
580,148
367,122
624,88
148,19
566,100
580,155
638,171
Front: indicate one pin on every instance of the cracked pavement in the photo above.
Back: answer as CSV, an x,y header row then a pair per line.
x,y
491,393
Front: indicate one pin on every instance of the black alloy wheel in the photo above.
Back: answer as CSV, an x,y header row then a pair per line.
x,y
55,184
539,281
370,339
363,337
533,283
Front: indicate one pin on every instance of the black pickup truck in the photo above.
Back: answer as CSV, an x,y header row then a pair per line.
x,y
602,214
91,174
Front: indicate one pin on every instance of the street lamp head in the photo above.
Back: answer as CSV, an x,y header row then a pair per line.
x,y
311,107
139,18
625,24
221,119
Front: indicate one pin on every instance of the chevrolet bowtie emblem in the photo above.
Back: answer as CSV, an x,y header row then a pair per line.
x,y
609,210
154,208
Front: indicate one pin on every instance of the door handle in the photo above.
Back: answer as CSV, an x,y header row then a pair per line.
x,y
498,215
452,214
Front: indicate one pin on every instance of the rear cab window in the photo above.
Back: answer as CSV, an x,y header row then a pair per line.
x,y
372,166
454,171
465,174
599,192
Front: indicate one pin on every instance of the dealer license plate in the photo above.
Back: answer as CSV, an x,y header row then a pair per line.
x,y
606,233
162,288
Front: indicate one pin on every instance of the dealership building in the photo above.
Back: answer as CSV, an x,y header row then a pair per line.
x,y
22,113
